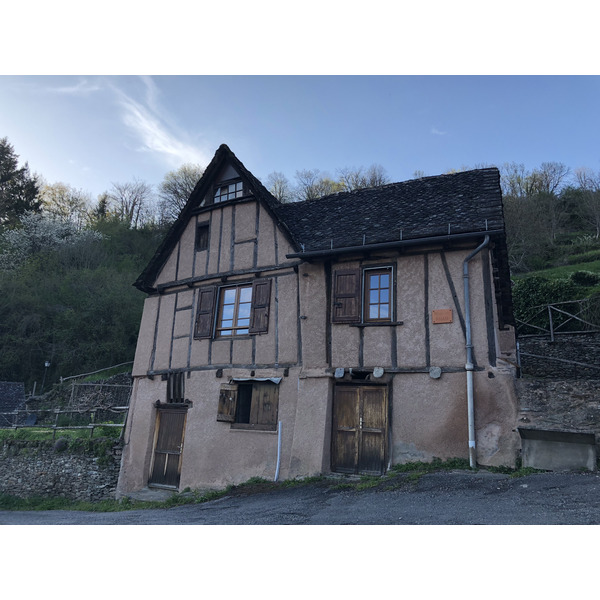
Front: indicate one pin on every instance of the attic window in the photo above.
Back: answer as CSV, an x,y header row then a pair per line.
x,y
202,231
229,191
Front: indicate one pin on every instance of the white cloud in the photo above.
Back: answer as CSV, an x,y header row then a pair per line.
x,y
82,88
145,122
435,131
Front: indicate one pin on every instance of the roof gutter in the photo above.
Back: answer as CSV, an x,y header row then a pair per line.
x,y
307,255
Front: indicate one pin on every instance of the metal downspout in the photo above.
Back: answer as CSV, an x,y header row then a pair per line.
x,y
469,346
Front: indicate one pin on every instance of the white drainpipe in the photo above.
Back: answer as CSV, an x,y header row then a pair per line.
x,y
278,451
469,345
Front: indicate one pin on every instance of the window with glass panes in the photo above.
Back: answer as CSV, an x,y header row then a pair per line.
x,y
229,191
235,306
378,294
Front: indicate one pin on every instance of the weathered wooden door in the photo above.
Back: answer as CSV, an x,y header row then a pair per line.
x,y
166,467
359,436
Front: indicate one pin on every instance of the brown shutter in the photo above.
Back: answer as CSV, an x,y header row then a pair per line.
x,y
228,395
206,312
261,299
346,296
265,400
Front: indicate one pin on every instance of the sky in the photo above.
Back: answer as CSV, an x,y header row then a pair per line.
x,y
89,131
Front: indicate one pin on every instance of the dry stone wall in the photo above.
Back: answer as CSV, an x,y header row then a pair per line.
x,y
29,469
564,358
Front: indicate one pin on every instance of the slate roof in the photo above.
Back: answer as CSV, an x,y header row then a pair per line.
x,y
464,202
446,207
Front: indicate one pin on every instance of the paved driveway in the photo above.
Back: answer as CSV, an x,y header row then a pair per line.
x,y
443,498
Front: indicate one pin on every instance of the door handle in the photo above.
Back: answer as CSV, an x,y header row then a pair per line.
x,y
360,423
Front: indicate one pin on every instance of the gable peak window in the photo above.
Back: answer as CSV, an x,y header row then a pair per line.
x,y
228,190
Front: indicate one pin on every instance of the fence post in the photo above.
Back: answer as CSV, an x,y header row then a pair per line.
x,y
551,325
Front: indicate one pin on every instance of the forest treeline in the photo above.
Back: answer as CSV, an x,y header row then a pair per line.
x,y
67,261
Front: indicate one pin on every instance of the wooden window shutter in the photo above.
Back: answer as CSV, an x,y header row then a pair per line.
x,y
346,296
261,299
206,312
176,387
228,395
265,400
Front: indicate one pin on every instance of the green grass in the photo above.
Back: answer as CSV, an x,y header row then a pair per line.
x,y
41,434
563,272
397,477
107,374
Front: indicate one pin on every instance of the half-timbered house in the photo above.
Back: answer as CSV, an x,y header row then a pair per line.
x,y
344,334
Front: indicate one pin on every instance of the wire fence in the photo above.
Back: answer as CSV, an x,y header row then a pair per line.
x,y
572,316
97,408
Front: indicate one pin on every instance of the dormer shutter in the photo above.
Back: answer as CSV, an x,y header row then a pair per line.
x,y
206,312
346,296
261,299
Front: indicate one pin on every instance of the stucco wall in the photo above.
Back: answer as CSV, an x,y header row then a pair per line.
x,y
302,345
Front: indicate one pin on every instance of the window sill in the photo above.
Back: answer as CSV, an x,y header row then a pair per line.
x,y
381,324
247,427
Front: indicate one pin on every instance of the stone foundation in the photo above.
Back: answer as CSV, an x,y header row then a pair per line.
x,y
29,469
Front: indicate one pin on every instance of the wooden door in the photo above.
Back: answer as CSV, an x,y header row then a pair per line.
x,y
166,467
359,436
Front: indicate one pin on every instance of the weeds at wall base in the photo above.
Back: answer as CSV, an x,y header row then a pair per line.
x,y
396,478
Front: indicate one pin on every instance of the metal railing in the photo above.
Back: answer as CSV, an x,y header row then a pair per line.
x,y
572,316
54,420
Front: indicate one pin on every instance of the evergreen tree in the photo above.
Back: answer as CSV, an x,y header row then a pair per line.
x,y
18,188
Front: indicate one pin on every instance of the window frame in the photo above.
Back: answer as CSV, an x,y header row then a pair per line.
x,y
222,192
236,329
366,294
209,315
350,295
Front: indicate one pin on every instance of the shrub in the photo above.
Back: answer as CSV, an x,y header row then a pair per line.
x,y
585,278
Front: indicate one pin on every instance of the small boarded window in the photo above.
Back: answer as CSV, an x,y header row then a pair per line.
x,y
251,405
176,388
202,231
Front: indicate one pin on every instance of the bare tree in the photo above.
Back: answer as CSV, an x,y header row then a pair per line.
x,y
176,188
589,183
132,201
279,185
312,184
360,178
550,177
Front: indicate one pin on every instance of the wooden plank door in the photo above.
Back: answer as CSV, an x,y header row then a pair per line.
x,y
359,435
166,468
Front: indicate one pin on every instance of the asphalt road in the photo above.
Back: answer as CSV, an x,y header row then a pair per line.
x,y
443,498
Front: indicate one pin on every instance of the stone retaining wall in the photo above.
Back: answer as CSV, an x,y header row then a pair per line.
x,y
30,469
583,348
560,405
